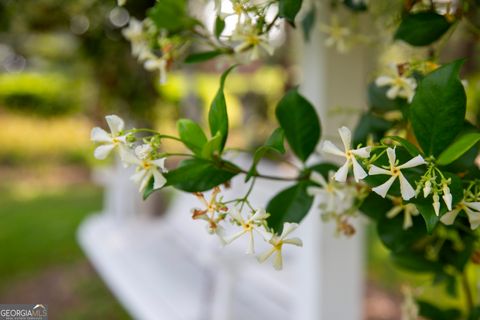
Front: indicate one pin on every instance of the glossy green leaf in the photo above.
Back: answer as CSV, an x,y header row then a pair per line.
x,y
211,147
289,9
197,175
300,122
290,205
218,116
171,15
432,312
438,109
370,125
458,148
422,28
396,238
191,134
414,261
203,56
274,143
410,147
379,102
375,207
219,26
324,168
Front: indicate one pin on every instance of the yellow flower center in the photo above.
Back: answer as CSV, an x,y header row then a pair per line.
x,y
253,40
146,165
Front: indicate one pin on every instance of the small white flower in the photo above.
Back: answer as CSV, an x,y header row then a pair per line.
x,y
395,172
349,154
254,223
427,188
143,151
436,204
400,86
333,197
408,209
160,64
250,39
146,169
472,209
447,196
135,34
277,243
110,140
121,3
337,35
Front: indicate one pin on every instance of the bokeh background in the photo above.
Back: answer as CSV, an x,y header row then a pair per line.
x,y
64,65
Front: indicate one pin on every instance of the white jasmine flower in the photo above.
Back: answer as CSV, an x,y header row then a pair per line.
x,y
214,212
349,154
146,169
395,172
110,140
143,151
447,196
254,223
427,188
436,203
400,86
472,209
277,243
134,33
408,209
250,39
333,196
160,64
337,35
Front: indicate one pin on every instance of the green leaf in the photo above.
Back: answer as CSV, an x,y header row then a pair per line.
x,y
197,175
299,120
422,28
369,125
274,143
438,109
217,116
289,9
410,147
212,146
414,261
203,56
379,102
149,189
374,206
426,210
393,235
432,312
290,205
192,135
458,148
323,168
171,15
308,22
219,26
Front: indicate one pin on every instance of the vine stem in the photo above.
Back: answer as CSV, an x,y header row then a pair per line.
x,y
468,292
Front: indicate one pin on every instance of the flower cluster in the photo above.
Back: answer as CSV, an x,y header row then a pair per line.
x,y
216,212
149,166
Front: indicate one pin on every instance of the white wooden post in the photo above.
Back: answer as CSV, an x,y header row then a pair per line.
x,y
330,271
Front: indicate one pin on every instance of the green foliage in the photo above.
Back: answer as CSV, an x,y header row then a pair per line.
x,y
458,148
422,28
192,135
290,205
300,122
203,56
217,116
379,102
219,26
274,143
289,9
438,109
395,237
410,147
197,175
432,312
171,15
370,125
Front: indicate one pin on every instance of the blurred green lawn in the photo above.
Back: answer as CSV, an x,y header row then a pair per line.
x,y
37,240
